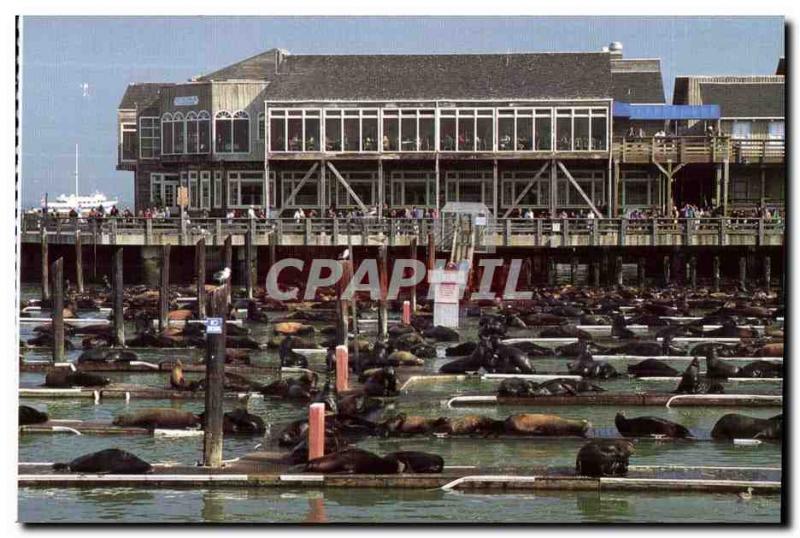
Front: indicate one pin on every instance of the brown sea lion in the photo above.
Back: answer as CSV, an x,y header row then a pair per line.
x,y
603,457
158,417
541,424
108,461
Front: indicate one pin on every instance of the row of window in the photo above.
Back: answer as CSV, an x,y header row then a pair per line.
x,y
469,130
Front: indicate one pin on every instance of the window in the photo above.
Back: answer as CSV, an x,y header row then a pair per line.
x,y
164,189
742,129
194,190
564,130
591,181
391,130
205,189
515,130
166,140
543,123
294,130
308,195
333,130
513,183
246,189
149,137
174,128
351,130
599,129
198,126
581,129
469,186
447,130
777,129
467,130
409,130
261,127
127,142
217,188
412,188
364,185
232,132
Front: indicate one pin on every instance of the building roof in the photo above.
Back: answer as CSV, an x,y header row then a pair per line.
x,y
426,77
781,69
638,87
141,95
745,100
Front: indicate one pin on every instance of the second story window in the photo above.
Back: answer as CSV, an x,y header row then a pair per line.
x,y
581,129
127,142
232,132
173,127
198,132
408,130
149,137
466,130
294,130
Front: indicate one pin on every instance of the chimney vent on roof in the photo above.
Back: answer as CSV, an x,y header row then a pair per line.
x,y
615,48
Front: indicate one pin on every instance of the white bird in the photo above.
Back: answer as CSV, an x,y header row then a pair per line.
x,y
345,255
746,495
222,276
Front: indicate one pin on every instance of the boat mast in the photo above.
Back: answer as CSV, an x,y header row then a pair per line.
x,y
76,170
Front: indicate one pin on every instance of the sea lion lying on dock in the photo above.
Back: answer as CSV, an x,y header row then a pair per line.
x,y
379,381
158,417
516,387
29,415
736,426
417,462
403,424
649,426
586,366
441,334
652,368
239,422
108,461
761,369
469,425
65,378
604,457
354,461
293,388
107,355
293,328
546,425
289,357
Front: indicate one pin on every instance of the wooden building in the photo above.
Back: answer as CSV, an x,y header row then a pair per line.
x,y
513,131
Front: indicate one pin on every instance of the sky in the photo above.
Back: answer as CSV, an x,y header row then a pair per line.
x,y
75,69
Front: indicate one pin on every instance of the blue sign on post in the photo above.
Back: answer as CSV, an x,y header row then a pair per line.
x,y
214,326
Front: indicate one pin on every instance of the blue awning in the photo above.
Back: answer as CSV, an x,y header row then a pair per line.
x,y
665,112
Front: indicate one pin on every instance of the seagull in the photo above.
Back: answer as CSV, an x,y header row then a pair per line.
x,y
222,276
345,255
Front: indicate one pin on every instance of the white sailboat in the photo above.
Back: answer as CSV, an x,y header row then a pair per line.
x,y
65,203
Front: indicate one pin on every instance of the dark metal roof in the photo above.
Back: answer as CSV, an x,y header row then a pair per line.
x,y
638,87
141,95
427,77
745,100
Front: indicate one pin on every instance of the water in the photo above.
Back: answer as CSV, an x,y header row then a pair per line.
x,y
288,505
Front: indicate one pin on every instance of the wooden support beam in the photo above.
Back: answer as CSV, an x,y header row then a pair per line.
x,y
693,272
45,262
200,273
618,271
57,271
117,291
227,256
495,197
573,271
215,380
716,273
579,189
413,256
528,187
743,273
381,189
767,271
553,189
725,184
641,273
248,260
596,274
290,199
163,290
350,270
666,265
383,304
551,271
347,187
78,257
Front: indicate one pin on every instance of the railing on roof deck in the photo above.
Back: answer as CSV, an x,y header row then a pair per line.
x,y
698,149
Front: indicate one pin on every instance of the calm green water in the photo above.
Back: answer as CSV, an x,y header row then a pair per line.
x,y
369,506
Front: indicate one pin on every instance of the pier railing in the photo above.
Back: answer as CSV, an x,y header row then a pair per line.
x,y
513,232
698,149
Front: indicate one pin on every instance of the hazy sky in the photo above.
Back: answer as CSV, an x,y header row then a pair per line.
x,y
62,54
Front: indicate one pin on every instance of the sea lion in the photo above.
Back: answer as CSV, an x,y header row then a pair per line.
x,y
180,315
65,378
586,366
604,457
736,426
470,425
461,350
293,328
379,382
515,387
652,368
403,424
531,349
108,461
29,415
690,379
648,426
407,342
178,382
404,358
417,462
718,369
354,461
289,357
761,369
158,417
564,387
239,422
441,334
771,350
510,359
565,330
541,424
618,328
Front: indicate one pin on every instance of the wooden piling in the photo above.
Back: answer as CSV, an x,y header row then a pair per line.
x,y
117,285
693,272
316,430
57,271
383,304
45,263
163,290
227,250
551,271
342,303
349,270
573,271
715,273
200,272
767,272
413,256
215,380
618,271
596,274
78,257
640,273
666,270
743,273
248,260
